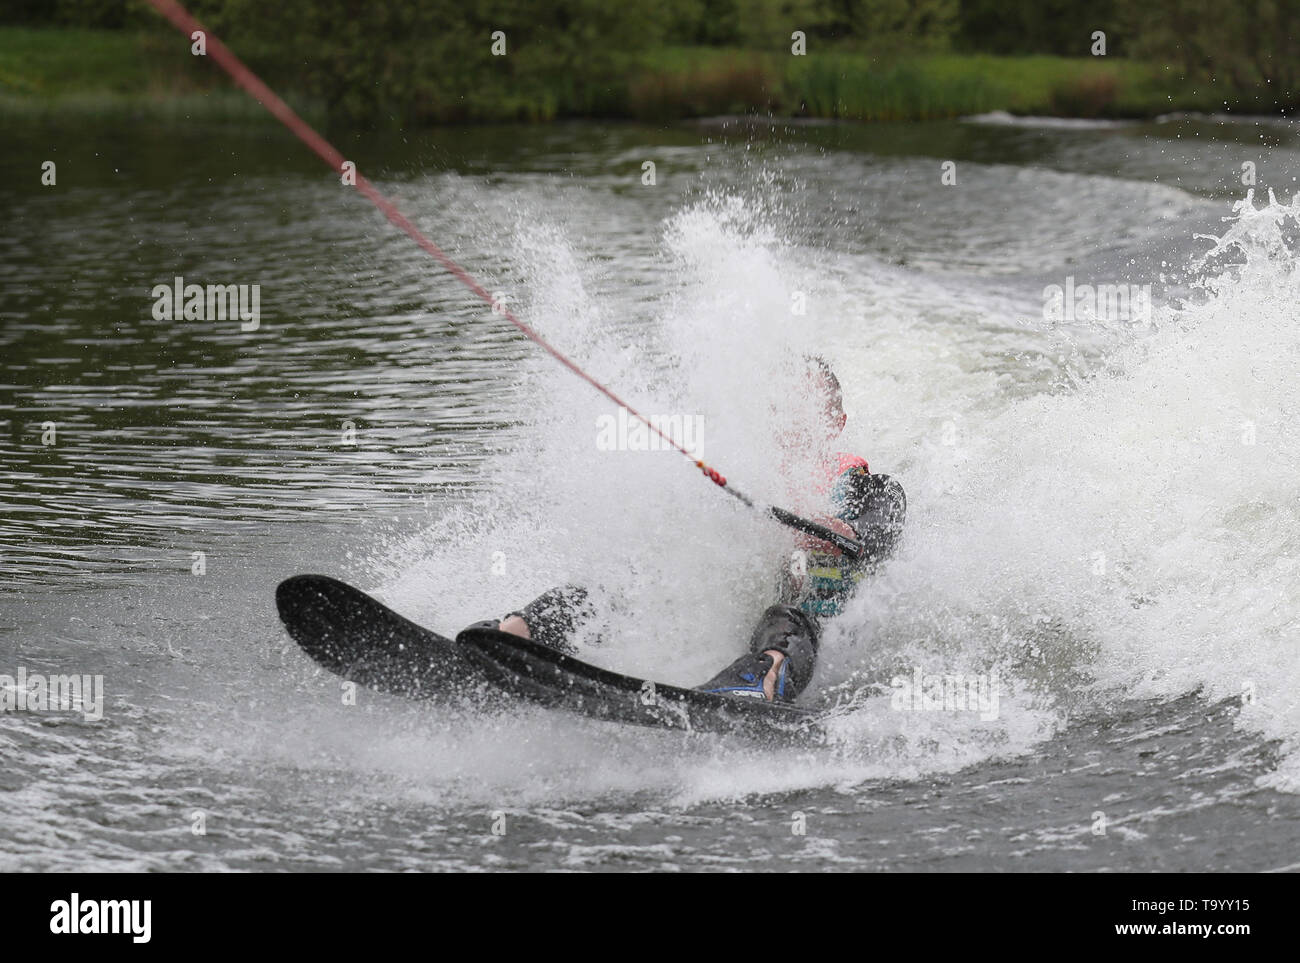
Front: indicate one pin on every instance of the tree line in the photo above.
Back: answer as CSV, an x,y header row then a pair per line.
x,y
361,57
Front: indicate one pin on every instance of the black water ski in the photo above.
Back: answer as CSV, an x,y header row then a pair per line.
x,y
534,672
359,638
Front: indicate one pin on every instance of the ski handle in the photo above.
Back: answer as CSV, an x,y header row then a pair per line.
x,y
850,547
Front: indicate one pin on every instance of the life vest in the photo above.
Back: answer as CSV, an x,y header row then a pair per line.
x,y
829,578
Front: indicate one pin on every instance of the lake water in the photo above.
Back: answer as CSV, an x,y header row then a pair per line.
x,y
1104,511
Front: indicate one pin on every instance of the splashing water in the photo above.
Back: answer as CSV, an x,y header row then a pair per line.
x,y
1128,534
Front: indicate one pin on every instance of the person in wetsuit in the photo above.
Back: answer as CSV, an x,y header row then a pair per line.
x,y
782,652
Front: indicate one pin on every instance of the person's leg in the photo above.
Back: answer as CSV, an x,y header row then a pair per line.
x,y
515,625
780,662
551,618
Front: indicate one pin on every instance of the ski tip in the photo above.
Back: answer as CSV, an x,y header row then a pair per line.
x,y
298,592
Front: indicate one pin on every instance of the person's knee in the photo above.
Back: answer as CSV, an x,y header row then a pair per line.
x,y
785,627
553,617
790,631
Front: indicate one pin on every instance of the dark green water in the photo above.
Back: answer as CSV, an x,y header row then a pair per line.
x,y
382,425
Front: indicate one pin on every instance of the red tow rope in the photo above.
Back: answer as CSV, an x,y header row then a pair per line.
x,y
244,77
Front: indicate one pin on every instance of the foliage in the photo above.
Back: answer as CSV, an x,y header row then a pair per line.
x,y
395,62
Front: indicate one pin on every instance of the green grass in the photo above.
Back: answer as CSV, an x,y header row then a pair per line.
x,y
114,74
121,74
220,105
55,63
856,86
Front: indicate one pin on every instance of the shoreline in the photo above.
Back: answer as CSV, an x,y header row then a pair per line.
x,y
57,73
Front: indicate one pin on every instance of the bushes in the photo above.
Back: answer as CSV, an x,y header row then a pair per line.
x,y
1091,95
99,14
729,83
401,62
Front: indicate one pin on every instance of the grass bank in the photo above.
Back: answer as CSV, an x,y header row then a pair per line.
x,y
112,73
854,86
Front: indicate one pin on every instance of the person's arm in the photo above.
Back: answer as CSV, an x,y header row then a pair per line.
x,y
870,508
875,506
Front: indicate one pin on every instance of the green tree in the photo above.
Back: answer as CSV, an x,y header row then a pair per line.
x,y
432,59
1250,44
893,25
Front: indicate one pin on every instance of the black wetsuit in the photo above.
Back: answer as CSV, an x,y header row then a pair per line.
x,y
815,588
